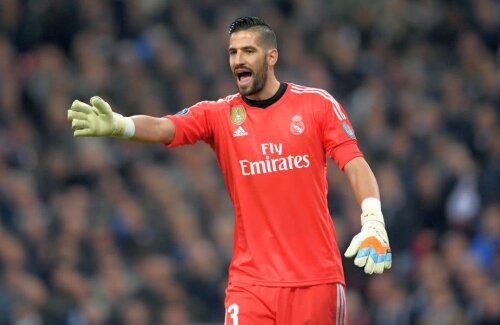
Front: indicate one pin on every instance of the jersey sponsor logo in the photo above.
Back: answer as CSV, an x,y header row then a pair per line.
x,y
273,161
348,130
297,126
240,132
237,115
183,112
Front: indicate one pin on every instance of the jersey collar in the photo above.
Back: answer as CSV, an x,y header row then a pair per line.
x,y
267,102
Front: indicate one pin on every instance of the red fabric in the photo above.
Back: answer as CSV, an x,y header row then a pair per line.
x,y
322,304
275,172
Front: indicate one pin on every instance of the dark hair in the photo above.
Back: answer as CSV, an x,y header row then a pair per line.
x,y
267,35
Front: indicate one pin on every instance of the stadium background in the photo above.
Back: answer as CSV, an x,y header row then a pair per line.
x,y
101,231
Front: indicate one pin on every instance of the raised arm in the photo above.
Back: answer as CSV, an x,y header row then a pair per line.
x,y
370,245
98,120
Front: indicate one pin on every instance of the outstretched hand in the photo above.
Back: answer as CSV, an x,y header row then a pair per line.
x,y
95,120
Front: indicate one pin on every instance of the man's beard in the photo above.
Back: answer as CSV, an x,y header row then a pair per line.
x,y
258,83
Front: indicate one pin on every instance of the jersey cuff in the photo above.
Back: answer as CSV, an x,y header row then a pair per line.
x,y
345,153
176,140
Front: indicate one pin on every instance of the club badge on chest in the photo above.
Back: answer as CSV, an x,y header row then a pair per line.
x,y
297,126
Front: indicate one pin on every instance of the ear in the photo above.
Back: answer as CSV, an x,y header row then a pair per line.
x,y
272,57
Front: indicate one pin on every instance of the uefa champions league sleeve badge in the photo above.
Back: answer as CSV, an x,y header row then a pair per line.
x,y
183,112
348,130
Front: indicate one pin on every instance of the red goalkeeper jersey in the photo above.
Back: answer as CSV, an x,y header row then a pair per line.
x,y
274,165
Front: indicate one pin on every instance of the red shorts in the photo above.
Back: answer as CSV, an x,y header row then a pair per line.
x,y
322,304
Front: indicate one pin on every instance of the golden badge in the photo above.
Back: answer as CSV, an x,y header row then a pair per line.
x,y
238,115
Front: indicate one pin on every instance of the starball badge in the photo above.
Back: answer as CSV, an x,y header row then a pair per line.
x,y
238,114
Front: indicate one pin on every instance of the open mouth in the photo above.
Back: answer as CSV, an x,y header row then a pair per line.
x,y
243,76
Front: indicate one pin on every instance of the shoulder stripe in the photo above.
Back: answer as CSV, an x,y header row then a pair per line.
x,y
230,97
325,94
336,106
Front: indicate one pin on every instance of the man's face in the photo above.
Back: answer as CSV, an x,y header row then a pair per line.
x,y
248,61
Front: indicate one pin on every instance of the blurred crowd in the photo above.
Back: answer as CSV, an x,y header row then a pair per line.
x,y
105,231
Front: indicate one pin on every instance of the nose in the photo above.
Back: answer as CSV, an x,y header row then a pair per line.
x,y
238,59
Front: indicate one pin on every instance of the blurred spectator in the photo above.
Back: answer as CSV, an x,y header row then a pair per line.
x,y
107,232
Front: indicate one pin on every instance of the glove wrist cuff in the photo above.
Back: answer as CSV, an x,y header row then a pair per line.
x,y
123,127
371,211
129,130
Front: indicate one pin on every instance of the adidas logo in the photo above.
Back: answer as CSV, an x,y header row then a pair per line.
x,y
239,132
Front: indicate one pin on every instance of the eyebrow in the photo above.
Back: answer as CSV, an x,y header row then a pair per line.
x,y
248,47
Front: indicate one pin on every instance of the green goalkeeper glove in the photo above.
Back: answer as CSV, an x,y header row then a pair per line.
x,y
98,120
371,245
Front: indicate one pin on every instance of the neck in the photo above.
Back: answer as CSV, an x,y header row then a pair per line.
x,y
271,87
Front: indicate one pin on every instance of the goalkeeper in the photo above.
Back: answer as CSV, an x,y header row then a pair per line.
x,y
271,140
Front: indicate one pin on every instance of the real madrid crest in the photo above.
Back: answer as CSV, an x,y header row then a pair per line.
x,y
238,114
297,126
